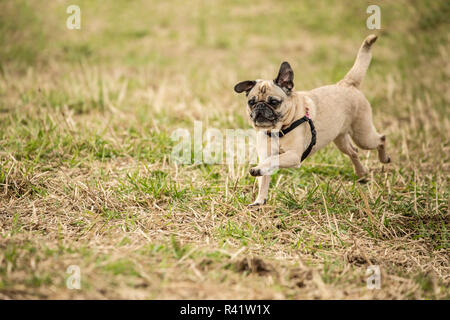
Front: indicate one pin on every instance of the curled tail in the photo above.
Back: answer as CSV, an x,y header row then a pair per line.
x,y
356,74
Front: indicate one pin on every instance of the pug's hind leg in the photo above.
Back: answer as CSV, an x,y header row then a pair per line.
x,y
366,136
344,144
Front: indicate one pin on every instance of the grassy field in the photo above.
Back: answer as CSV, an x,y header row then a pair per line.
x,y
86,177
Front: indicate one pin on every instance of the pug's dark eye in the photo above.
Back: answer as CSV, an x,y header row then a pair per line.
x,y
251,102
274,102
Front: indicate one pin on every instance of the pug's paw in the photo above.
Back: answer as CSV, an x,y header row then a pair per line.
x,y
257,203
256,172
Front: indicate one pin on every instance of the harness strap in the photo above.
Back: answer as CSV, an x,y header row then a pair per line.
x,y
294,125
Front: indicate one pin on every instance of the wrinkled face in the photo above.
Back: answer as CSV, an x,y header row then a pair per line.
x,y
267,99
265,104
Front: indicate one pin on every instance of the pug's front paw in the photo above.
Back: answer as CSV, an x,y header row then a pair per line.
x,y
256,172
258,203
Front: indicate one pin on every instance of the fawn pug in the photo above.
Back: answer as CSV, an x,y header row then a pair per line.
x,y
305,121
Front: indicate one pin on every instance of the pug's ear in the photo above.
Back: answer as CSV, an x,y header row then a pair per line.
x,y
244,86
285,78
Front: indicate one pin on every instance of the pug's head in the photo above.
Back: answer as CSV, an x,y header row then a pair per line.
x,y
268,101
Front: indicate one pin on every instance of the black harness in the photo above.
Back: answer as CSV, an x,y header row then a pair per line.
x,y
294,125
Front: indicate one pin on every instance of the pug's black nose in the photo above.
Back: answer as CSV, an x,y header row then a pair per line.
x,y
259,105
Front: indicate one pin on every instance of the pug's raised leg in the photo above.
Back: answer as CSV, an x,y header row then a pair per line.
x,y
289,159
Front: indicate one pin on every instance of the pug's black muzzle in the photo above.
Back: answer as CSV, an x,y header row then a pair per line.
x,y
263,113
